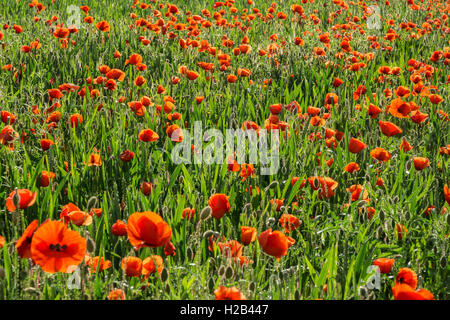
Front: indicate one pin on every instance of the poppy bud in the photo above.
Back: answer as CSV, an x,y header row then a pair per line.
x,y
206,212
189,253
221,271
252,286
270,221
211,284
229,273
164,275
208,234
90,245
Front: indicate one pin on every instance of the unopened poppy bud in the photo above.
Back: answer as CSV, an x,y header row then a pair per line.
x,y
167,288
208,234
211,284
408,215
189,253
229,273
90,245
363,292
381,215
252,286
221,271
270,221
205,213
180,179
443,261
32,290
282,208
16,199
164,275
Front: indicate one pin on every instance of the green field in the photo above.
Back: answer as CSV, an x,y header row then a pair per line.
x,y
357,93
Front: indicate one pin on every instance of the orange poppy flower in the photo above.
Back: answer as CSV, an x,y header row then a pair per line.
x,y
273,243
115,74
401,230
421,163
289,222
380,154
356,190
352,167
192,75
447,194
127,156
117,294
224,293
56,248
169,249
219,205
385,264
2,242
146,188
151,265
139,81
132,266
46,144
399,108
248,235
80,218
231,78
7,117
406,276
119,228
435,98
148,229
230,248
95,160
405,292
23,245
148,135
356,146
389,129
326,185
188,213
45,178
99,263
103,26
24,198
405,146
243,72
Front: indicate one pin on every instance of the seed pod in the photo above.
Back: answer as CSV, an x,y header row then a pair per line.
x,y
382,215
211,284
408,215
189,253
229,273
208,234
221,271
205,213
164,275
90,245
270,222
443,261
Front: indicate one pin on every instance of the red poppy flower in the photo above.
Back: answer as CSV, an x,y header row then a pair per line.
x,y
56,248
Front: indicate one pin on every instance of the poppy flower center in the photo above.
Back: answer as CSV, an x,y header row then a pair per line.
x,y
57,247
